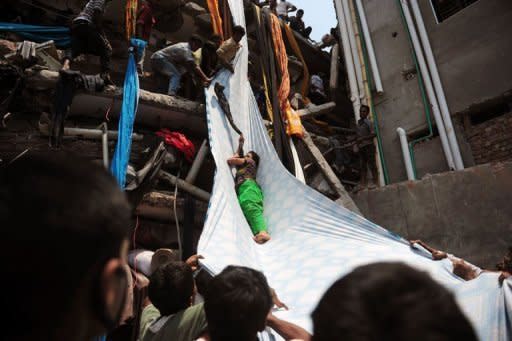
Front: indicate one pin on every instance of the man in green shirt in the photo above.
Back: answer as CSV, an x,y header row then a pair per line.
x,y
171,316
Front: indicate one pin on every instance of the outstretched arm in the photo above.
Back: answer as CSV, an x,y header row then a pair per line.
x,y
436,254
287,330
238,158
201,74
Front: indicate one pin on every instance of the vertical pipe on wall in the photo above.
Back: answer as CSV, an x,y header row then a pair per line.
x,y
104,144
369,46
347,57
427,81
373,111
366,85
454,145
353,49
406,154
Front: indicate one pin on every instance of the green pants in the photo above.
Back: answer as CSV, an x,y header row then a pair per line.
x,y
250,198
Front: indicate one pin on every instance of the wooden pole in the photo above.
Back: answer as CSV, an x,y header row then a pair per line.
x,y
195,191
344,199
90,134
335,65
316,110
198,162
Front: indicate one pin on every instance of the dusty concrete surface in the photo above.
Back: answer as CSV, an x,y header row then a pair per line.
x,y
467,213
472,49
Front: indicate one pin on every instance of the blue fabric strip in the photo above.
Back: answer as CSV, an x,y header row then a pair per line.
x,y
127,117
61,36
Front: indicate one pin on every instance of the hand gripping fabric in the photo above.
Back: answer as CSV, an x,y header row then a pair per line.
x,y
314,241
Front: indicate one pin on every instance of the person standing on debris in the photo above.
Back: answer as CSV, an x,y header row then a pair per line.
x,y
68,216
88,37
228,50
365,133
145,23
283,8
249,192
173,61
297,24
317,89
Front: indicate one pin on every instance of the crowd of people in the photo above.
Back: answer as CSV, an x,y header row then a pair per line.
x,y
67,279
171,61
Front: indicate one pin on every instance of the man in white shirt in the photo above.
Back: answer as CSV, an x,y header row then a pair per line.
x,y
283,8
173,61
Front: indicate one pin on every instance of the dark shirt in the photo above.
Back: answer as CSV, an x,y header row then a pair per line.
x,y
365,128
247,171
297,24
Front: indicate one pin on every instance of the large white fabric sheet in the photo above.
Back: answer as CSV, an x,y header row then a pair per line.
x,y
314,241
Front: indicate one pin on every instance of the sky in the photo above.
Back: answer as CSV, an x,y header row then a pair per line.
x,y
319,14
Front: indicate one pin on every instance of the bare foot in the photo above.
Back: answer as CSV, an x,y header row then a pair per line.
x,y
262,238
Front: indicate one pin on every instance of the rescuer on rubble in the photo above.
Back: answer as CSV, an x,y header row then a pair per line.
x,y
365,148
88,37
174,60
228,50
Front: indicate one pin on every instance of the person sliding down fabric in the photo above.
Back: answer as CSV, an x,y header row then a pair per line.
x,y
249,192
88,37
228,50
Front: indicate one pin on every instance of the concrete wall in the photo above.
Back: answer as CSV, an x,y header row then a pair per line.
x,y
466,213
492,140
401,103
473,51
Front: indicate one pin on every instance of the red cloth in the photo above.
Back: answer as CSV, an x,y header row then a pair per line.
x,y
178,141
146,19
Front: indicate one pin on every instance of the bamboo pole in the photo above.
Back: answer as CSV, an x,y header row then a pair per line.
x,y
344,199
182,184
198,162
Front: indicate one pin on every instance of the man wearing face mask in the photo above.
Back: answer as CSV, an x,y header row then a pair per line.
x,y
64,227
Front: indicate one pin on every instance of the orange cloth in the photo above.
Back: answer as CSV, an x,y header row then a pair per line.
x,y
298,53
131,18
213,6
294,125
